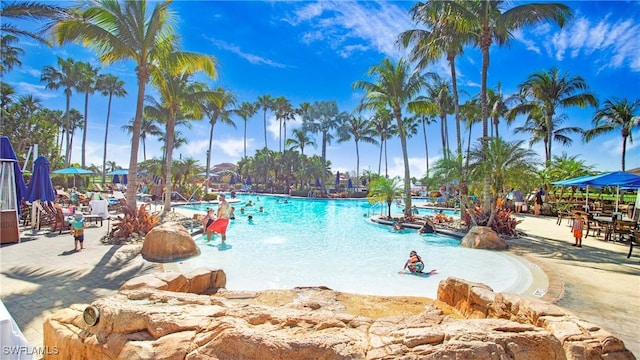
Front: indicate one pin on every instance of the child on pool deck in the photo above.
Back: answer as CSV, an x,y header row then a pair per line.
x,y
577,230
77,230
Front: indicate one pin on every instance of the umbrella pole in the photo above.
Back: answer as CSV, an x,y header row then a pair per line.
x,y
34,216
617,196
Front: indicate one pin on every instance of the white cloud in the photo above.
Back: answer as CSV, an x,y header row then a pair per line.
x,y
232,147
615,42
253,59
31,71
370,24
530,44
38,91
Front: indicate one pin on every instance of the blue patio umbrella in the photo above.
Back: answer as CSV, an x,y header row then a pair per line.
x,y
337,178
232,179
73,171
349,184
248,181
364,182
118,172
116,179
124,179
40,186
8,155
318,182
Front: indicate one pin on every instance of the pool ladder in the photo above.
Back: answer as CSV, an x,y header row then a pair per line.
x,y
372,209
312,194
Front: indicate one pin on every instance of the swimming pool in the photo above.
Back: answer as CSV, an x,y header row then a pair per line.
x,y
316,242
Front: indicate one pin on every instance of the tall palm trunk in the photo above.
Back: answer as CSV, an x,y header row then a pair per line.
x,y
106,135
209,158
245,138
386,161
170,134
380,157
84,129
456,106
443,135
426,147
143,77
144,148
485,43
624,149
405,155
67,151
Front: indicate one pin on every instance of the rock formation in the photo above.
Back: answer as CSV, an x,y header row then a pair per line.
x,y
483,237
144,322
168,242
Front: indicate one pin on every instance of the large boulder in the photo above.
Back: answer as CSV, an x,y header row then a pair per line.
x,y
144,322
169,242
483,237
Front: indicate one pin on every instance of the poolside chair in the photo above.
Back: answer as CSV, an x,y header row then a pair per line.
x,y
59,223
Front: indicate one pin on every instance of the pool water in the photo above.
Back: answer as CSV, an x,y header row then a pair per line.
x,y
317,242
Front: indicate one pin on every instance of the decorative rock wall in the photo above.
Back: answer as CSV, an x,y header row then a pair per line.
x,y
580,339
144,322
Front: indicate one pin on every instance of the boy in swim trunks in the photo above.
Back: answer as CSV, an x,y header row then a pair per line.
x,y
77,230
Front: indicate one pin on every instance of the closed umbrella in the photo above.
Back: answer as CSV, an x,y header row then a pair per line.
x,y
318,182
337,178
364,182
40,187
232,179
116,179
248,181
349,184
7,153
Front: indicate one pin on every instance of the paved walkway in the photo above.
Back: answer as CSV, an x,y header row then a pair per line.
x,y
43,274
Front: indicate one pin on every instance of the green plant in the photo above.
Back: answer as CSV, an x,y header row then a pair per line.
x,y
133,221
503,223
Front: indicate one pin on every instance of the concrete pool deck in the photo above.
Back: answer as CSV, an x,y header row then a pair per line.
x,y
43,274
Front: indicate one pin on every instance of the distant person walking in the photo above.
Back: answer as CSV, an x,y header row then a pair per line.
x,y
538,202
518,200
577,230
222,222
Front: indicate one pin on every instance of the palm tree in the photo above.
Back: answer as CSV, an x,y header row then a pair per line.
x,y
265,102
148,127
439,97
284,111
395,87
181,99
547,91
28,11
498,107
383,128
87,85
66,77
360,130
10,55
300,138
616,114
77,120
491,24
508,161
218,109
323,118
108,85
539,129
383,189
246,111
425,121
471,113
446,35
123,31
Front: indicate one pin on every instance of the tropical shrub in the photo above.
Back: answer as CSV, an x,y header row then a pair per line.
x,y
503,223
133,221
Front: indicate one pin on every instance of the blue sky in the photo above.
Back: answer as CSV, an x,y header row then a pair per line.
x,y
314,51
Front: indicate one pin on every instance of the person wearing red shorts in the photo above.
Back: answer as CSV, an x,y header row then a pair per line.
x,y
222,222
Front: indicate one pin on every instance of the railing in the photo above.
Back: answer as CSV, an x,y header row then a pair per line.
x,y
193,193
372,209
312,194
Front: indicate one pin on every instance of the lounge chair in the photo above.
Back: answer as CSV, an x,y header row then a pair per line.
x,y
59,222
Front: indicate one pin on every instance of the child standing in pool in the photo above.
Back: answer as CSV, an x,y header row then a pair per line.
x,y
414,264
207,221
